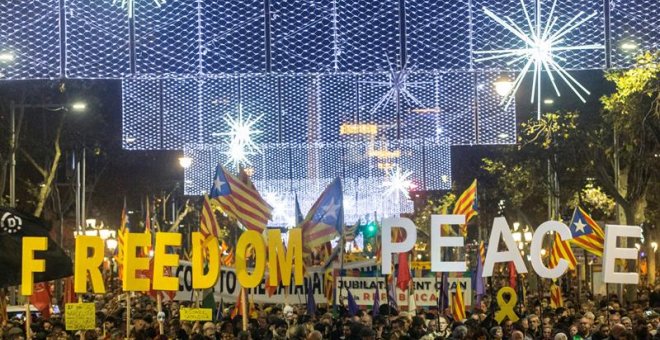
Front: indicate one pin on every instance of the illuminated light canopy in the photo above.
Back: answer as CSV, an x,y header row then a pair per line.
x,y
130,5
542,41
398,182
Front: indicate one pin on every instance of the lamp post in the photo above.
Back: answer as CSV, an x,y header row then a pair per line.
x,y
77,106
111,244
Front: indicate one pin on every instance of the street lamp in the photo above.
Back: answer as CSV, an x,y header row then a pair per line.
x,y
111,243
185,162
7,56
77,106
503,86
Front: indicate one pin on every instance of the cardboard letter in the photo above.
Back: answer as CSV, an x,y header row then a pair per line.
x,y
84,264
278,255
133,263
537,244
438,242
501,228
30,265
200,245
162,259
247,280
388,248
612,252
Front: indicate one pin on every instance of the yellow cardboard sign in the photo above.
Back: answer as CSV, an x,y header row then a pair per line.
x,y
80,316
195,314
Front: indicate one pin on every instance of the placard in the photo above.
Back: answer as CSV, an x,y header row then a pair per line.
x,y
80,316
195,314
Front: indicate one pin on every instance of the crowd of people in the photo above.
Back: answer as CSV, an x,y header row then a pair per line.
x,y
596,319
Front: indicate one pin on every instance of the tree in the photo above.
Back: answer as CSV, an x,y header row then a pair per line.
x,y
626,147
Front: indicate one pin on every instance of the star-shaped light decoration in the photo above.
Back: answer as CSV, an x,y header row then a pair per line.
x,y
279,212
130,5
398,85
543,41
240,141
398,182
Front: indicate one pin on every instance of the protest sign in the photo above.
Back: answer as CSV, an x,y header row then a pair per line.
x,y
195,314
425,290
79,316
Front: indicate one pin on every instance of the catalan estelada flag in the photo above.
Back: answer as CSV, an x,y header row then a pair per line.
x,y
586,233
458,304
556,299
466,204
325,219
562,250
208,224
240,200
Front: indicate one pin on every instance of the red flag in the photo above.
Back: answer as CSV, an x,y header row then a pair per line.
x,y
513,275
403,277
40,298
69,292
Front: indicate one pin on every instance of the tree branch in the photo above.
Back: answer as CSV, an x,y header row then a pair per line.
x,y
34,163
44,191
186,210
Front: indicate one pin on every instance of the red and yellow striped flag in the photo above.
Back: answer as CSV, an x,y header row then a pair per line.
x,y
561,250
458,304
208,224
466,204
239,199
587,234
121,240
556,299
482,252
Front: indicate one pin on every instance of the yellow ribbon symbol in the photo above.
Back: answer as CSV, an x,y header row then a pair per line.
x,y
506,307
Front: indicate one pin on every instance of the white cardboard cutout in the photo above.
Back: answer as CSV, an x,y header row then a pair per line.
x,y
612,252
537,244
438,242
501,228
388,248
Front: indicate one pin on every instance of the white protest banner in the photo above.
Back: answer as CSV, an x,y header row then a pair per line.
x,y
227,287
426,290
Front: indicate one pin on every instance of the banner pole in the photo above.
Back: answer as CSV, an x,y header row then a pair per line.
x,y
244,309
159,301
28,320
128,315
